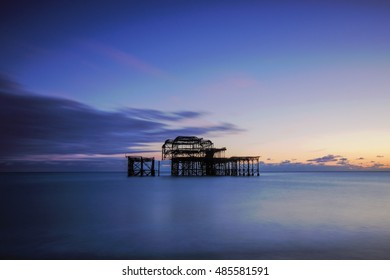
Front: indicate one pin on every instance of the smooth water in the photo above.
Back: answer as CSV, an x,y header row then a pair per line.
x,y
274,216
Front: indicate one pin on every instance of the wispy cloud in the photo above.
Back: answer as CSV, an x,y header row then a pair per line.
x,y
343,161
150,114
339,164
325,159
42,128
126,58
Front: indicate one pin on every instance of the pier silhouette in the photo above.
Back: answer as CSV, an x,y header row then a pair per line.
x,y
193,156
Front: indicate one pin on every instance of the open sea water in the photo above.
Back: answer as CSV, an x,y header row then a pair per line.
x,y
332,215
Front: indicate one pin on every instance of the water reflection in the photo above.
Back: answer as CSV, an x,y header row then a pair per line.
x,y
282,216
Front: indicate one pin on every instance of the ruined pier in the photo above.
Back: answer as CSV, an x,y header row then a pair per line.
x,y
140,166
193,156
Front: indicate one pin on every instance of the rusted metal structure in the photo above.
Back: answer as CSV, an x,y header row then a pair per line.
x,y
140,166
193,156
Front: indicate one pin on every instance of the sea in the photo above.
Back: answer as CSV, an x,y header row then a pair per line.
x,y
107,215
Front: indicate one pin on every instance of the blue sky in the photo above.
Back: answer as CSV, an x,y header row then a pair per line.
x,y
304,84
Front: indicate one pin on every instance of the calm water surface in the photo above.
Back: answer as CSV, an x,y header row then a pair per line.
x,y
274,216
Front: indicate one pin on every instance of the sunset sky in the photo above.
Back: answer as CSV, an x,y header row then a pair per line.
x,y
303,84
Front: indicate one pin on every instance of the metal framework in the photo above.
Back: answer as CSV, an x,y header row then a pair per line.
x,y
140,166
193,156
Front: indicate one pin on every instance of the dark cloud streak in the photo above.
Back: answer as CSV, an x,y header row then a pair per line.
x,y
149,114
40,125
325,159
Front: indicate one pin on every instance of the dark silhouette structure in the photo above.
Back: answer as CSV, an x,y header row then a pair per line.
x,y
193,156
140,166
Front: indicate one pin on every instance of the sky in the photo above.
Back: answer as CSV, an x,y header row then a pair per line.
x,y
303,84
